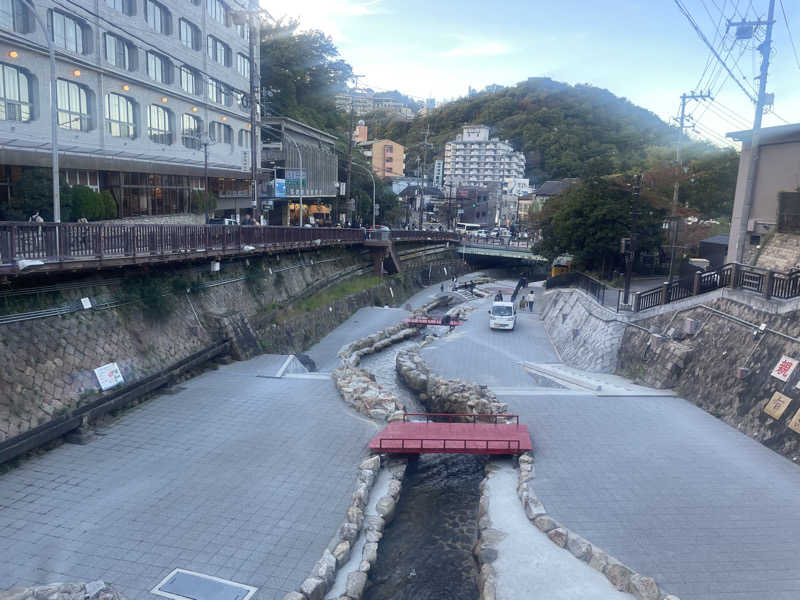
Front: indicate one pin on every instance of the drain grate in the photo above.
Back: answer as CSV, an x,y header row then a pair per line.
x,y
182,584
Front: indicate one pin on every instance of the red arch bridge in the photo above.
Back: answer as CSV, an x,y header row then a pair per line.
x,y
446,433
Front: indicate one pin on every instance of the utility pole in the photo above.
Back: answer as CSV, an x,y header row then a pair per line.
x,y
630,256
679,166
424,166
762,100
254,37
350,149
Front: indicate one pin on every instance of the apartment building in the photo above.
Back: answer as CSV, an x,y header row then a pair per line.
x,y
476,159
388,158
143,88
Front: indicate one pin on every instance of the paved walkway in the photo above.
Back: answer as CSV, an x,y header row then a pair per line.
x,y
657,482
234,475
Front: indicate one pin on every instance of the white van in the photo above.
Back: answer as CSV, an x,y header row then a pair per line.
x,y
503,315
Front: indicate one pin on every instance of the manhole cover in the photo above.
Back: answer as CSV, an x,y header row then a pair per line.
x,y
182,584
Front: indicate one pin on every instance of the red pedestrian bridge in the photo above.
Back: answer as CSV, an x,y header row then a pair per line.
x,y
446,433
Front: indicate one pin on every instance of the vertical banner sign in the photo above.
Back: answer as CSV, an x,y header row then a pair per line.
x,y
108,376
777,405
784,369
280,188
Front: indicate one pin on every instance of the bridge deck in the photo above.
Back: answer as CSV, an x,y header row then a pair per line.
x,y
431,437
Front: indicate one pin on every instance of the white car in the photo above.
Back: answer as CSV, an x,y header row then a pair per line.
x,y
503,315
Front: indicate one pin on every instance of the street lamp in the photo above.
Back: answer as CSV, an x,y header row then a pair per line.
x,y
205,140
53,114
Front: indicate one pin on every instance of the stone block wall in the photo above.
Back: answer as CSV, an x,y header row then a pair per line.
x,y
584,334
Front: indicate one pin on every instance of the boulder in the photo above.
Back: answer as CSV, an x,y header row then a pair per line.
x,y
374,523
643,588
364,566
534,508
325,568
394,488
313,588
385,508
373,536
546,523
598,560
366,476
579,547
294,596
17,593
348,532
370,552
373,463
558,536
361,495
355,516
618,574
341,553
354,587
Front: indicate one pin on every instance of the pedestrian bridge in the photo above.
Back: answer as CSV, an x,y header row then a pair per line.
x,y
517,250
445,433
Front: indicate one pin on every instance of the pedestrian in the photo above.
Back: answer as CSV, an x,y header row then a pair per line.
x,y
531,300
498,297
441,287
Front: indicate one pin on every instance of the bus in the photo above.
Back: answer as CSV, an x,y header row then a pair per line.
x,y
467,227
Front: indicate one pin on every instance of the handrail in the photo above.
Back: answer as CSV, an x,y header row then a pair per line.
x,y
445,444
451,416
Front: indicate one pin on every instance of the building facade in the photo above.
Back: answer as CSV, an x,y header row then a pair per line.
x,y
778,171
144,87
438,173
365,101
476,159
388,158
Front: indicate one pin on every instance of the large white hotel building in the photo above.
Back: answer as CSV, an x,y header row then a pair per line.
x,y
141,85
476,159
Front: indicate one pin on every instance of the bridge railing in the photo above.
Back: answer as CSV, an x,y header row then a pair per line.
x,y
591,286
459,418
433,444
492,242
62,242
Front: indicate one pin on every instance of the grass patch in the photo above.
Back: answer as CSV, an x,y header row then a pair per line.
x,y
331,294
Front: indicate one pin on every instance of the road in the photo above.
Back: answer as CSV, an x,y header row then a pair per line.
x,y
655,481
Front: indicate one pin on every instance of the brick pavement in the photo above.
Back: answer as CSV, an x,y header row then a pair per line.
x,y
665,487
237,476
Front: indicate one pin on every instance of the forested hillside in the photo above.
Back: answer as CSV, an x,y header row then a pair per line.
x,y
564,130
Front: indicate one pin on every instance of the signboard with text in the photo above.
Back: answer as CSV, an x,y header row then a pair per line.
x,y
777,405
280,188
784,369
295,179
794,424
108,376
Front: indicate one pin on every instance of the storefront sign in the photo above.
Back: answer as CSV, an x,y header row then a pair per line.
x,y
108,376
777,405
784,369
280,188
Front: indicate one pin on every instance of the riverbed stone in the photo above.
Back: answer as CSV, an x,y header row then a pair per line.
x,y
325,568
398,470
348,532
355,516
364,566
558,536
618,574
643,588
599,560
374,523
385,508
367,476
361,495
579,547
373,536
294,596
370,552
394,488
546,523
313,588
534,508
354,588
341,553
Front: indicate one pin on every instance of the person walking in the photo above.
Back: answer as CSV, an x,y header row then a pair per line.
x,y
531,300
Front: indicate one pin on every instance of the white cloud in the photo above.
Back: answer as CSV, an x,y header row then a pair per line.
x,y
324,15
479,48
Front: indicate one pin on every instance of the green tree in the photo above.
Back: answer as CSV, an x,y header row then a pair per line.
x,y
589,220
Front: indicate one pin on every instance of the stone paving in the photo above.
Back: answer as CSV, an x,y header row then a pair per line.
x,y
657,482
233,475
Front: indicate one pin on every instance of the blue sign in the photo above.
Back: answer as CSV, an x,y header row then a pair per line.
x,y
280,188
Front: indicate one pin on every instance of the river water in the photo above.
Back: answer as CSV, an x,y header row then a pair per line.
x,y
426,552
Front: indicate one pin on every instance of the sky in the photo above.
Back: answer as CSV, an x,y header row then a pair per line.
x,y
643,50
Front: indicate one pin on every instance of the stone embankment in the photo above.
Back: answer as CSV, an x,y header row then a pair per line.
x,y
485,550
619,575
358,386
93,590
338,553
441,395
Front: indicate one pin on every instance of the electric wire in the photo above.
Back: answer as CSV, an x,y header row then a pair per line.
x,y
789,31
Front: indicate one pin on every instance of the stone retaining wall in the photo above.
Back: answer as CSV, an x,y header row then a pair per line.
x,y
94,590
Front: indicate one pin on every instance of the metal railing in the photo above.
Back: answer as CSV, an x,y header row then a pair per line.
x,y
433,444
591,286
452,418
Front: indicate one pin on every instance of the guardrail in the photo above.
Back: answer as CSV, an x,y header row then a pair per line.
x,y
591,286
769,284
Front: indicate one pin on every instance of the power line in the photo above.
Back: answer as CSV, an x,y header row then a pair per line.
x,y
791,39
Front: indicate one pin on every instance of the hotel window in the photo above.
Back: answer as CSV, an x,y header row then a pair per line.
x,y
158,125
15,94
73,106
14,15
119,52
243,29
244,138
123,6
217,10
67,32
189,80
243,65
221,133
219,51
120,119
191,132
189,34
218,93
158,68
157,17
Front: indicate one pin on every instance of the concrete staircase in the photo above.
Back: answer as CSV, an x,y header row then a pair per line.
x,y
781,252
